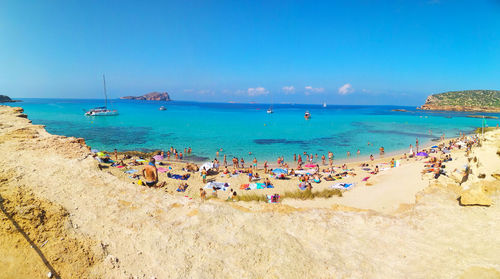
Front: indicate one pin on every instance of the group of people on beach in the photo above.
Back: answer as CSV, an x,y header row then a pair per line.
x,y
307,169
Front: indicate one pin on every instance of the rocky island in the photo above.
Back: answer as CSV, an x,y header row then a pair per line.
x,y
467,100
7,99
153,96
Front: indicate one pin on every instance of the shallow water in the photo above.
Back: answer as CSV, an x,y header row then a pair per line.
x,y
243,128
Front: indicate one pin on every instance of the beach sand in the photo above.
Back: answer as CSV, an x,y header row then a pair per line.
x,y
100,224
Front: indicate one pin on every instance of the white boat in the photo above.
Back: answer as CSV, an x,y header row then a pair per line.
x,y
324,104
269,110
102,111
163,108
307,115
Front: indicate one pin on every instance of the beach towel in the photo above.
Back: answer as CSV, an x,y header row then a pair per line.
x,y
217,185
178,176
273,198
160,169
244,186
119,167
278,171
310,166
366,178
342,186
131,171
302,186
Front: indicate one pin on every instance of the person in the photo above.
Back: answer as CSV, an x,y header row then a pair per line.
x,y
204,175
323,159
309,186
381,150
295,157
217,153
371,157
216,164
358,152
267,182
150,174
189,150
235,195
416,144
225,160
116,155
348,154
265,167
255,163
242,162
411,149
203,194
250,174
376,170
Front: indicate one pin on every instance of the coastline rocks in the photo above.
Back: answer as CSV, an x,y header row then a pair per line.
x,y
153,96
7,99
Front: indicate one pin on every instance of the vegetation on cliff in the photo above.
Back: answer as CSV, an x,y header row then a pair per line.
x,y
467,100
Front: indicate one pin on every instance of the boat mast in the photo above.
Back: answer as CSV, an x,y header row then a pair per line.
x,y
105,95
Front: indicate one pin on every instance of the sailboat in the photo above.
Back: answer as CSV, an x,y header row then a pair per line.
x,y
102,111
324,104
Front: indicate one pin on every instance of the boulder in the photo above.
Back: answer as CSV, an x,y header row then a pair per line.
x,y
476,195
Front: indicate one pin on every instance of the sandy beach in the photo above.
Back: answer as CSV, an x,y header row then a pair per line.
x,y
64,215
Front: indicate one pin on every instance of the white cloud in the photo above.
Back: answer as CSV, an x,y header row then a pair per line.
x,y
346,89
206,91
288,89
309,90
257,91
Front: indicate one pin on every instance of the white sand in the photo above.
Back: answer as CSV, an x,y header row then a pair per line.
x,y
153,233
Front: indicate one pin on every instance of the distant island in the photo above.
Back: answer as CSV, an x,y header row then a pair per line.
x,y
7,99
153,96
467,100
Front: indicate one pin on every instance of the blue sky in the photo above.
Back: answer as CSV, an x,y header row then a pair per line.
x,y
341,52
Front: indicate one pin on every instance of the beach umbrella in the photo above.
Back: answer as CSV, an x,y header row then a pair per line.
x,y
435,146
101,154
422,154
158,157
280,171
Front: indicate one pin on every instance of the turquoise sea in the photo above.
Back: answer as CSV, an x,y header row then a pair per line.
x,y
243,128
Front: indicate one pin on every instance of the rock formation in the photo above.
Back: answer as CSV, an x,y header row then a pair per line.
x,y
153,96
6,99
468,100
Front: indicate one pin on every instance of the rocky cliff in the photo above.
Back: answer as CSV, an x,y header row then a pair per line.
x,y
153,96
468,100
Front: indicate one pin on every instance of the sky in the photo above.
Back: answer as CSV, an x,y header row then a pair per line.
x,y
339,52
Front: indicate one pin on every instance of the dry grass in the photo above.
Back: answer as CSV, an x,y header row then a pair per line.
x,y
298,194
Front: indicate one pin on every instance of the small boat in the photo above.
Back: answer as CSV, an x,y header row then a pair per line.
x,y
324,104
307,115
102,111
163,108
269,110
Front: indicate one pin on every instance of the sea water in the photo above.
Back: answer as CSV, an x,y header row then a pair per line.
x,y
241,129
